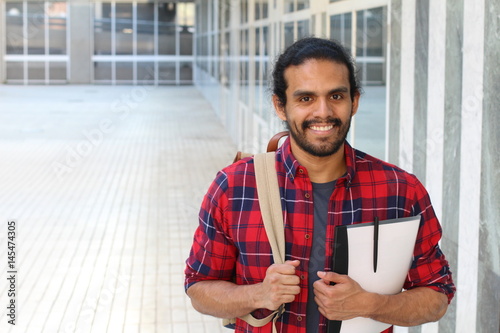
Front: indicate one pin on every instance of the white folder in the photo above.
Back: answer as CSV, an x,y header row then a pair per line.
x,y
396,242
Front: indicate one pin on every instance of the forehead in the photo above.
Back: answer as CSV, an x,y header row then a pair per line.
x,y
317,74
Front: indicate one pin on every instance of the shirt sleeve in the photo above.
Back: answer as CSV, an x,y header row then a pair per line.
x,y
429,267
213,254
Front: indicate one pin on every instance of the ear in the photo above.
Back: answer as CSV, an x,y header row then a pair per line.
x,y
279,108
355,103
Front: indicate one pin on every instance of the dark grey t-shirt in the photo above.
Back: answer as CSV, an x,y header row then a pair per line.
x,y
321,196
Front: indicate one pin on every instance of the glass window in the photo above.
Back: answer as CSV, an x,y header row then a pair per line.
x,y
261,9
36,28
57,27
186,72
15,70
36,71
186,17
14,27
289,6
302,4
288,34
360,34
340,28
166,72
244,88
244,42
125,71
166,28
375,73
302,29
145,72
265,41
103,71
102,29
374,32
226,17
244,11
258,41
57,71
124,29
370,32
145,28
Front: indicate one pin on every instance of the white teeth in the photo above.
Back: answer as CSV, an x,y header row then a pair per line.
x,y
322,128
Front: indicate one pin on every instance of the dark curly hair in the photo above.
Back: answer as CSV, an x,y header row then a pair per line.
x,y
312,48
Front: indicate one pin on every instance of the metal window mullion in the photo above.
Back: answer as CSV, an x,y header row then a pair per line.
x,y
68,42
46,37
177,44
25,42
113,43
156,44
134,42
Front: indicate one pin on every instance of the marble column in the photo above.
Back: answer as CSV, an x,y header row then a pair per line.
x,y
420,90
451,149
394,82
488,313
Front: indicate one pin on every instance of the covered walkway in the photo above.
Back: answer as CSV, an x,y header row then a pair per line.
x,y
104,184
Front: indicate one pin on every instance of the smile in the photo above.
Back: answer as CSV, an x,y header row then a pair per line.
x,y
322,128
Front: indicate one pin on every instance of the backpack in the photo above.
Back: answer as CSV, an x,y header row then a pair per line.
x,y
270,204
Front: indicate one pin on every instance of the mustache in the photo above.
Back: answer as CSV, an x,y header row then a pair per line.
x,y
329,121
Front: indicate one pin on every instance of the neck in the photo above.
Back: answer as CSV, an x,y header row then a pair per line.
x,y
321,169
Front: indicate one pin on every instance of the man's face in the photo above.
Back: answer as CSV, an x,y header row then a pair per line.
x,y
319,106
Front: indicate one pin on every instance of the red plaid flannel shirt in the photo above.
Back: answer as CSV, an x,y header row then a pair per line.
x,y
231,243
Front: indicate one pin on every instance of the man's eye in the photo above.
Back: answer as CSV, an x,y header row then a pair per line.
x,y
306,99
336,96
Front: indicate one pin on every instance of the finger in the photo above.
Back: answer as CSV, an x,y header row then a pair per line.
x,y
294,263
290,280
287,268
332,277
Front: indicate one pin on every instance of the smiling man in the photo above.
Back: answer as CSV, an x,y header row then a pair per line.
x,y
324,182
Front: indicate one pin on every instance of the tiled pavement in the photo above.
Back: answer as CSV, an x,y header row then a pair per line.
x,y
104,184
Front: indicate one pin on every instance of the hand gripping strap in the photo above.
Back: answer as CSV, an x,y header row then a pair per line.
x,y
272,215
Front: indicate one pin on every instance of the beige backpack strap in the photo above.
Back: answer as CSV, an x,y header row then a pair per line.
x,y
270,203
272,215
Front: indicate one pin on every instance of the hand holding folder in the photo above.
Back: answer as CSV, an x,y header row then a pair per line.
x,y
378,256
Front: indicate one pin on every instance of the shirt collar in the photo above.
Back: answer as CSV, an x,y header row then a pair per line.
x,y
291,165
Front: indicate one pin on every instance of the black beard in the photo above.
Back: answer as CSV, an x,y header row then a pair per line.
x,y
327,148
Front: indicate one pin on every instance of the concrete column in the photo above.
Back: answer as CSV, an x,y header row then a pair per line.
x,y
80,43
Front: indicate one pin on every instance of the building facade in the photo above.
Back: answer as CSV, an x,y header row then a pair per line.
x,y
430,73
96,42
429,69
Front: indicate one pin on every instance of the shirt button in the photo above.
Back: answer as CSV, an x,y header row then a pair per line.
x,y
307,195
307,236
302,277
301,170
299,318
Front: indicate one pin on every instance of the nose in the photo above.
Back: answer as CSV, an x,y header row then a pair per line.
x,y
323,109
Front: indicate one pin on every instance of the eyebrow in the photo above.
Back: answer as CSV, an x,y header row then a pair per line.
x,y
298,93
